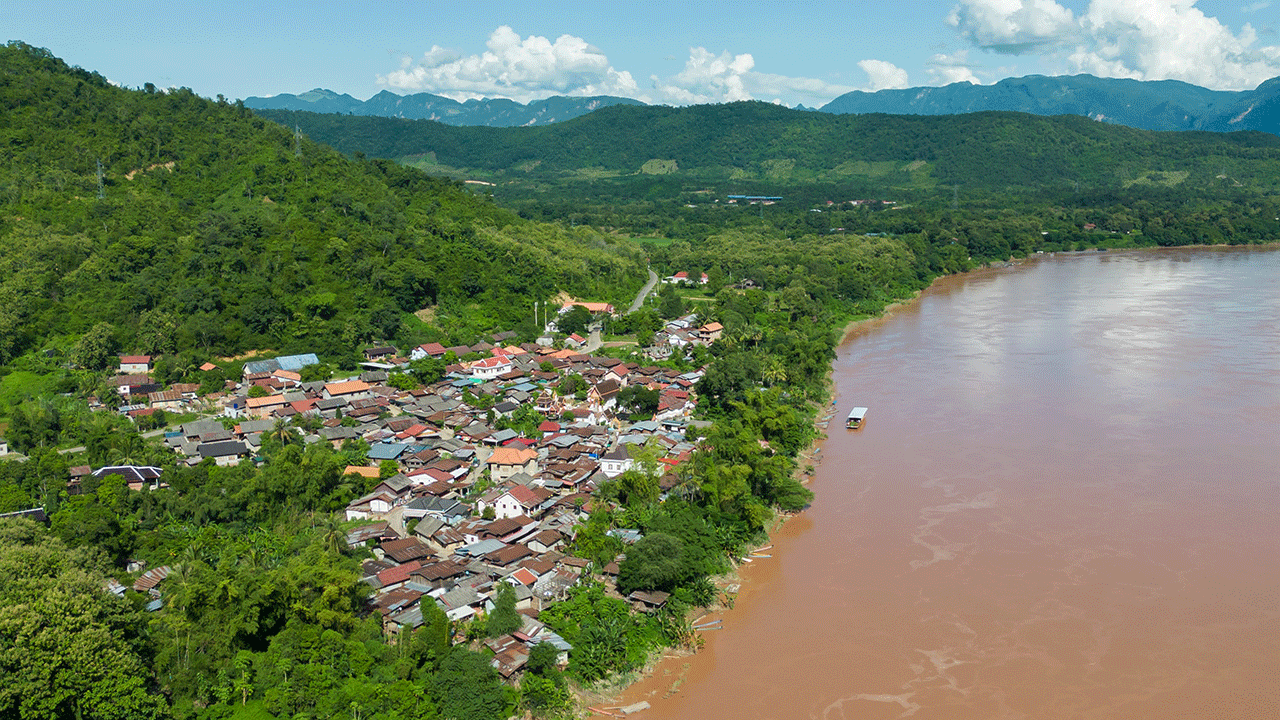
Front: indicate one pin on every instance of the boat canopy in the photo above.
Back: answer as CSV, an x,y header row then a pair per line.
x,y
858,413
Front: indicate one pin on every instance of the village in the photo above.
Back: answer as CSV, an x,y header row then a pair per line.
x,y
460,502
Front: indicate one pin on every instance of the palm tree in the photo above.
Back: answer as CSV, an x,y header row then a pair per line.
x,y
282,434
774,372
332,535
128,449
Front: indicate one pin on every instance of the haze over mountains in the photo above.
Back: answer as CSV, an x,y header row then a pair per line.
x,y
1147,105
497,112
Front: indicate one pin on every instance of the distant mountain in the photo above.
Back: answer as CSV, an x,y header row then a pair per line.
x,y
1147,105
425,106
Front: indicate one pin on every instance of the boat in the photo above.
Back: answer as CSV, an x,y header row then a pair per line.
x,y
856,417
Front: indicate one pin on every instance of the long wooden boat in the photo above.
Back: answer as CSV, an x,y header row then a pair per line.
x,y
856,417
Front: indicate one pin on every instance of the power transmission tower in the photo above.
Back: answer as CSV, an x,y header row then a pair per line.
x,y
101,194
297,141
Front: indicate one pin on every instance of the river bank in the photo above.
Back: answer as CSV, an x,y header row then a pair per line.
x,y
666,674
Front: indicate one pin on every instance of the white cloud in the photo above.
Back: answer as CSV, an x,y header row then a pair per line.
x,y
521,69
1152,40
534,68
1012,26
882,75
946,69
710,78
1140,39
707,78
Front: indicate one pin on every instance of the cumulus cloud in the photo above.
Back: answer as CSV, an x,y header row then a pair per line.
x,y
521,69
946,69
707,77
1012,26
711,78
532,68
883,75
1140,39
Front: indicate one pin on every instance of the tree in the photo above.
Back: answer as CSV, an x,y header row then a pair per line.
x,y
96,349
639,399
656,562
503,619
69,650
574,320
670,304
467,688
157,332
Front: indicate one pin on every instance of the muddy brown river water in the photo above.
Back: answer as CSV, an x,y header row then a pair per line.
x,y
1065,504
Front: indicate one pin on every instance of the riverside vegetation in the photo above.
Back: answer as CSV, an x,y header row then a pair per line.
x,y
208,231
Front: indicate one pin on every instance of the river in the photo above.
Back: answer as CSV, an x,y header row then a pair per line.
x,y
1065,504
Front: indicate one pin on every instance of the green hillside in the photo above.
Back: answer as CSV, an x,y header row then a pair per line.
x,y
759,142
189,223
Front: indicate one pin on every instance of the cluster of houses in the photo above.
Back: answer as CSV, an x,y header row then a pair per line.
x,y
472,503
682,333
473,507
141,395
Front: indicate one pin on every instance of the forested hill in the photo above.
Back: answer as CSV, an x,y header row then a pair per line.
x,y
192,224
752,140
1144,104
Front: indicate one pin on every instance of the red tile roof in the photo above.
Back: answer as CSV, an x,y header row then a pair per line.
x,y
397,574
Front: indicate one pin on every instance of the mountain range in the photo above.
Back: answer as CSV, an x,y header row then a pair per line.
x,y
1142,104
497,112
1147,105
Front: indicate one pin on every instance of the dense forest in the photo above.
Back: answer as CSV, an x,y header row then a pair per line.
x,y
754,141
181,221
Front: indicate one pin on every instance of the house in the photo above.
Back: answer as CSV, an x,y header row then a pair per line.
x,y
491,367
349,390
595,308
223,452
135,364
506,461
166,400
616,461
427,350
4,446
503,502
604,395
375,354
575,341
294,363
135,476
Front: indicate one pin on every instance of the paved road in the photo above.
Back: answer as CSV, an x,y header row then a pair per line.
x,y
594,340
644,291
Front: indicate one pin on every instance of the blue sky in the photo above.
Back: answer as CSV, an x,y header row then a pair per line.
x,y
657,51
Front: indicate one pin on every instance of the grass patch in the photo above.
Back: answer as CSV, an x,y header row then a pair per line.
x,y
20,385
868,169
659,167
253,710
1161,178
